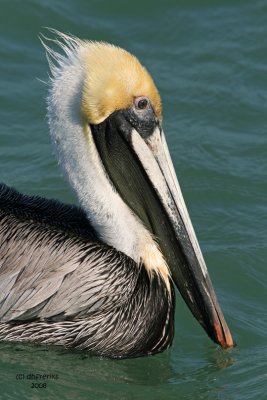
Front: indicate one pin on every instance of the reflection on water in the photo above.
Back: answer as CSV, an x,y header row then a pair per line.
x,y
78,371
209,61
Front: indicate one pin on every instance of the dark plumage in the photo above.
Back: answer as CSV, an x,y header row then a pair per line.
x,y
101,278
60,285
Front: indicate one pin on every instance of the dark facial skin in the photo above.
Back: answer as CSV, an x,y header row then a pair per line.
x,y
142,116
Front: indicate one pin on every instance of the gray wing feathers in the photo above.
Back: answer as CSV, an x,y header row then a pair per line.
x,y
89,288
49,274
31,270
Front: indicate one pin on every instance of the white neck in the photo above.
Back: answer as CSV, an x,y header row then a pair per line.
x,y
114,222
112,219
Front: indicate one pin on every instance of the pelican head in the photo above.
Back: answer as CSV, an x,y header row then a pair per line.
x,y
105,119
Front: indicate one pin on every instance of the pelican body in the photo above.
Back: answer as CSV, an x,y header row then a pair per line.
x,y
101,276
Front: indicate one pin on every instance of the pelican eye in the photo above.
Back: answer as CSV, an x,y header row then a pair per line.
x,y
141,116
141,103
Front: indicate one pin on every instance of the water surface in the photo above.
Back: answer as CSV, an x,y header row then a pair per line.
x,y
209,61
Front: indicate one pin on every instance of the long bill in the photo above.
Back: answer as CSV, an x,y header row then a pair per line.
x,y
188,268
155,196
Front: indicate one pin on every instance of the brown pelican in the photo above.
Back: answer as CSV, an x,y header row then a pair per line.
x,y
101,277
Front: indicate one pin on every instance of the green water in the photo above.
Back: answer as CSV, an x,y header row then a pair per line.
x,y
209,61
